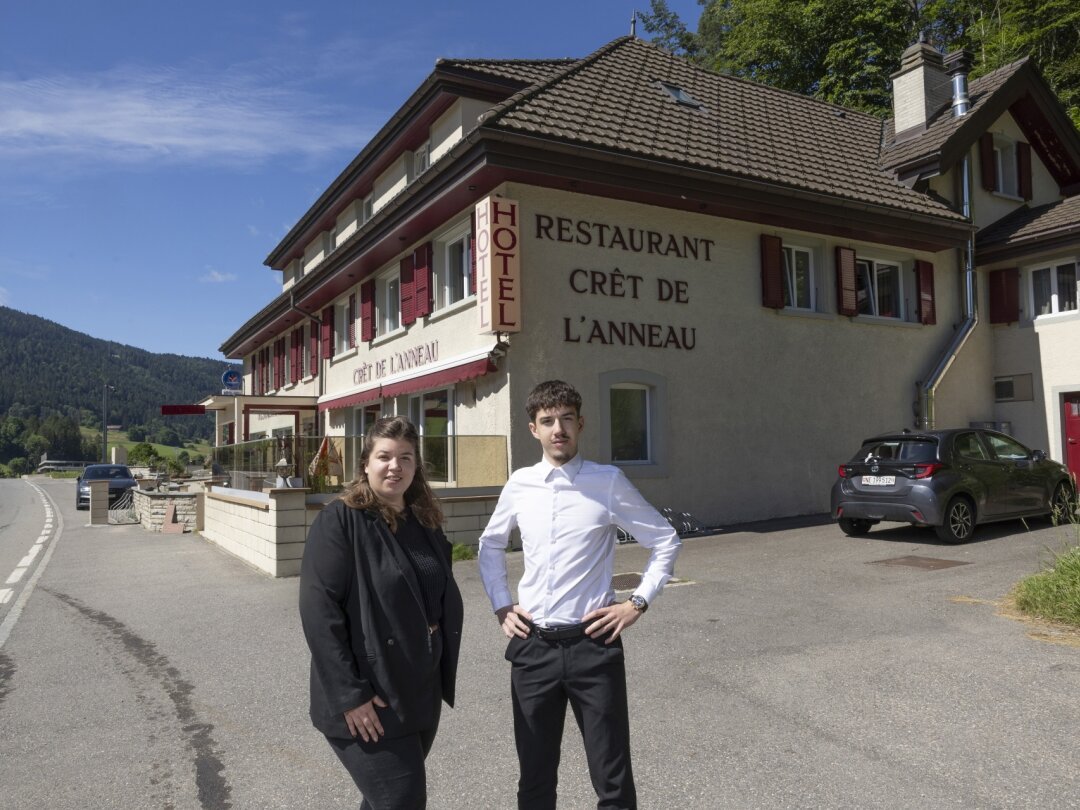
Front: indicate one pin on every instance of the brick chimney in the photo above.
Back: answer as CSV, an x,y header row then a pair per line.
x,y
920,88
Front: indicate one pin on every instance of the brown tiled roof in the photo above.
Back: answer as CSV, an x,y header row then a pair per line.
x,y
943,125
1029,225
612,100
525,71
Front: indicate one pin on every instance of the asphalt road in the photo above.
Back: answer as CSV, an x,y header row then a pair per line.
x,y
790,669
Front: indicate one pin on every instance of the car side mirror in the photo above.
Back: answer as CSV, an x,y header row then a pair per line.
x,y
1038,455
78,479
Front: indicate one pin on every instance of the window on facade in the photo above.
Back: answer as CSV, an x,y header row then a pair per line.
x,y
341,327
1016,388
432,414
388,303
798,278
1005,165
421,158
452,268
878,288
1053,289
368,209
630,429
305,350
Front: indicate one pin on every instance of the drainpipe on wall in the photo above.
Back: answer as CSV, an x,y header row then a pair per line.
x,y
318,320
957,65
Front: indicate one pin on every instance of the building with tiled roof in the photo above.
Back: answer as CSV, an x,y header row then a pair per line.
x,y
742,282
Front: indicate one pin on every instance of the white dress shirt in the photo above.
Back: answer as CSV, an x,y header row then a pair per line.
x,y
567,516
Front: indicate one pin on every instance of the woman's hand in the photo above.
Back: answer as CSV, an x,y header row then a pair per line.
x,y
364,720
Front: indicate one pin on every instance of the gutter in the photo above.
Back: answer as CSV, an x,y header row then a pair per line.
x,y
958,65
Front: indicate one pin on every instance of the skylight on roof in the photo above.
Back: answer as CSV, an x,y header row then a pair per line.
x,y
680,95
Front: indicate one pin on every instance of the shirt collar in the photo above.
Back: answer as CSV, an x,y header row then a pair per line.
x,y
570,469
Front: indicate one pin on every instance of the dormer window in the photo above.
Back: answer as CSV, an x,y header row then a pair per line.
x,y
680,95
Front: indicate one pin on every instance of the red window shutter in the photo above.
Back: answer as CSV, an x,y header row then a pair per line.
x,y
350,317
367,310
472,251
924,279
313,329
279,379
294,344
328,332
422,269
847,301
1005,295
988,169
1023,169
267,368
408,289
772,272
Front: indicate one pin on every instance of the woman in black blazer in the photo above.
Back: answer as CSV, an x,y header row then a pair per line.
x,y
382,616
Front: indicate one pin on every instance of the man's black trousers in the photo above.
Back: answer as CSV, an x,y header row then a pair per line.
x,y
591,676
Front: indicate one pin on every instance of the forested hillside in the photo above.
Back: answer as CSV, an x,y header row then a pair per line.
x,y
46,368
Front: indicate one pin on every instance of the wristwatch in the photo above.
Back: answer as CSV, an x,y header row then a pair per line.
x,y
639,603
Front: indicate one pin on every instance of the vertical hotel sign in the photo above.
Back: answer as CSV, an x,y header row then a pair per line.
x,y
498,265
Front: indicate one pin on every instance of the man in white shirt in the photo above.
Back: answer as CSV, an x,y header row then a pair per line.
x,y
565,628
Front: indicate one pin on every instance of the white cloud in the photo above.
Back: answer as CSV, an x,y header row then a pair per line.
x,y
131,115
214,277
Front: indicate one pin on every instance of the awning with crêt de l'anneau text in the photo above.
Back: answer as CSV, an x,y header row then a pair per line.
x,y
446,376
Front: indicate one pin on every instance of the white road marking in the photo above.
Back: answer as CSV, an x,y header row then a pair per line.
x,y
5,595
16,575
29,558
12,617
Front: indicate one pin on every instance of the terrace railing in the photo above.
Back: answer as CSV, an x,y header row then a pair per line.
x,y
327,463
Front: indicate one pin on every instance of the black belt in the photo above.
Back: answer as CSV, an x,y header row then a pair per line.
x,y
563,632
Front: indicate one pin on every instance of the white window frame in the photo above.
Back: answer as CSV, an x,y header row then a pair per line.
x,y
656,417
787,254
1008,182
875,266
388,302
305,350
1056,294
367,209
341,327
445,245
421,158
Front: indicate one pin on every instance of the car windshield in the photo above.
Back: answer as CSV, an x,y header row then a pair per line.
x,y
897,449
102,473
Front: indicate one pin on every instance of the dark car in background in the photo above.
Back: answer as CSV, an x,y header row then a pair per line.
x,y
119,478
951,480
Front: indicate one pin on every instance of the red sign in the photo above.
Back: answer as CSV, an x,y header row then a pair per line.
x,y
183,410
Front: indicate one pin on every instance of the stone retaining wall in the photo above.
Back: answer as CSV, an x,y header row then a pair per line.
x,y
151,508
269,529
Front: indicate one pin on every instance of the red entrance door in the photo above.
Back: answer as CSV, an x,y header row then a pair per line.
x,y
1072,433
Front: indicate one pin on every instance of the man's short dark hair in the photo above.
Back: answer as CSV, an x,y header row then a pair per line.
x,y
552,394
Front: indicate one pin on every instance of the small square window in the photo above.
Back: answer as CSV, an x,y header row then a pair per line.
x,y
680,95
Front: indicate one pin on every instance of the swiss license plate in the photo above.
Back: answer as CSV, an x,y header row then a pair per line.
x,y
878,480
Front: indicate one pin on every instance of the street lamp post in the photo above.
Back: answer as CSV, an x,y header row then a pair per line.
x,y
105,389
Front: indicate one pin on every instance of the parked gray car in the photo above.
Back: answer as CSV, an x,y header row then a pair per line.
x,y
119,478
951,480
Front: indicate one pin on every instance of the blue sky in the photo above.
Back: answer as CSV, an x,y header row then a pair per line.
x,y
152,154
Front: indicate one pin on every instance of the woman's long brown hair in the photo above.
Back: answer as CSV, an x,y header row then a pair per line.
x,y
418,496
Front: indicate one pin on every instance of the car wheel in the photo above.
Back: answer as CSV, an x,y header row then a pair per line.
x,y
854,527
959,522
1063,504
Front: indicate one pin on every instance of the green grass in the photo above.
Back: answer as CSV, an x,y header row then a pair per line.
x,y
119,438
65,474
460,551
1054,594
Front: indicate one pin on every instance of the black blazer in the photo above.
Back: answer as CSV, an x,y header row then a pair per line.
x,y
363,616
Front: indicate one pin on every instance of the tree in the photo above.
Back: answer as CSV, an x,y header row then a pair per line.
x,y
137,433
844,51
143,454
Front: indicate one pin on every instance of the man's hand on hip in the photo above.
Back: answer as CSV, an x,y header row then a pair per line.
x,y
514,621
612,619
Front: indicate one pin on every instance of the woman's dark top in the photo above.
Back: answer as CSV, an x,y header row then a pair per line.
x,y
429,571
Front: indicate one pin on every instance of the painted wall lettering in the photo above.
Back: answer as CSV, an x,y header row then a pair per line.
x,y
617,284
396,362
621,237
498,265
